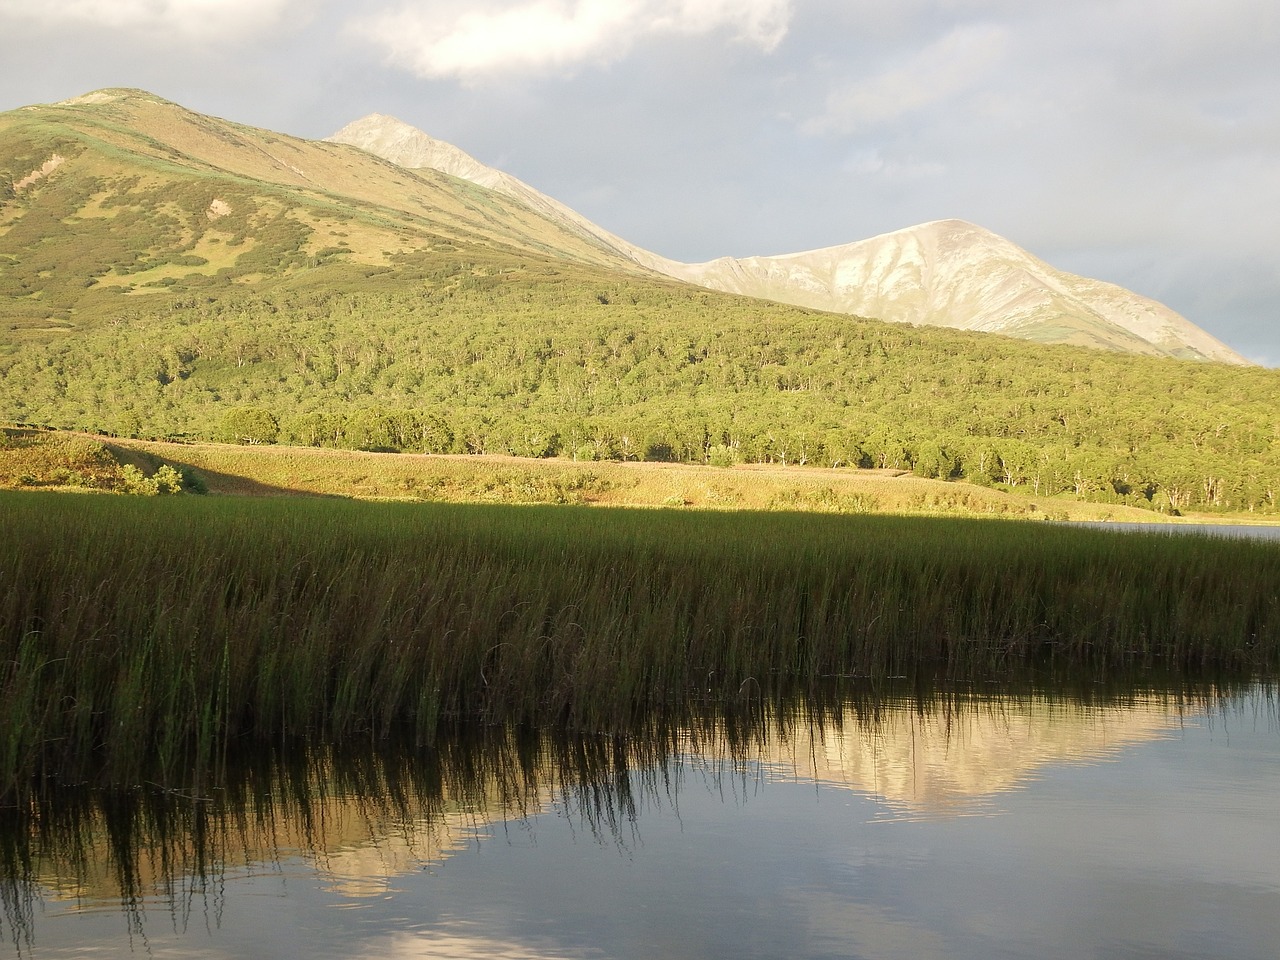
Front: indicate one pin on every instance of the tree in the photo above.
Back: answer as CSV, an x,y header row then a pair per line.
x,y
252,425
432,434
933,461
1014,459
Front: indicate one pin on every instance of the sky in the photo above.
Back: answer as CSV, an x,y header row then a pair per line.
x,y
1127,140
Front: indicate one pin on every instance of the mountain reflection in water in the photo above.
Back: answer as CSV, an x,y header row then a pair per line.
x,y
357,823
942,758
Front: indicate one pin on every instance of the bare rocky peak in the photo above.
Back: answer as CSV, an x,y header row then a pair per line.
x,y
955,274
409,147
944,273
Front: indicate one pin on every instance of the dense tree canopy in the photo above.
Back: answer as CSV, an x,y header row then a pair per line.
x,y
169,278
449,355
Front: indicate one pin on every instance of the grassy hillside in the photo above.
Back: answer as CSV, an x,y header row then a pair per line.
x,y
556,363
31,459
121,196
177,276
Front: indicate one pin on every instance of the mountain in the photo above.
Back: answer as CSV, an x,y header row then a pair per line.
x,y
946,273
408,147
166,274
950,273
120,195
159,198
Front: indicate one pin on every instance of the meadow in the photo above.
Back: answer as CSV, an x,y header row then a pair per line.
x,y
165,634
63,460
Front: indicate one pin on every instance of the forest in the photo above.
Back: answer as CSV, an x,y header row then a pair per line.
x,y
451,355
169,280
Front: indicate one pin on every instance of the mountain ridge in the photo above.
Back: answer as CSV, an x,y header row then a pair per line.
x,y
405,145
176,275
942,273
406,189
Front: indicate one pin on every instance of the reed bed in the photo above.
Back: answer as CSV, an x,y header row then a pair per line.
x,y
168,633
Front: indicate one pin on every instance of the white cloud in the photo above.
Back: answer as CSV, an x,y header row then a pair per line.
x,y
190,17
936,73
761,22
436,39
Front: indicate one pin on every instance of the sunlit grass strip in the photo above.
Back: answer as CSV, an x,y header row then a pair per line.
x,y
173,630
232,469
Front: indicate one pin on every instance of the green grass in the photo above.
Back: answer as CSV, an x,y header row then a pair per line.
x,y
170,632
62,460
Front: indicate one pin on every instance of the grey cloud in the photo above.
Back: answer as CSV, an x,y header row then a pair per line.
x,y
209,18
939,73
1132,142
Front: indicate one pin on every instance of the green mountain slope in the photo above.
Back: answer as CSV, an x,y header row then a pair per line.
x,y
175,275
120,195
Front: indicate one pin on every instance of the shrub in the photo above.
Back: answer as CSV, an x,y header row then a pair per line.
x,y
132,480
167,480
722,455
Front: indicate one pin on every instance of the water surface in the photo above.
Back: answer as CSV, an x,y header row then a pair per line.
x,y
965,825
1250,531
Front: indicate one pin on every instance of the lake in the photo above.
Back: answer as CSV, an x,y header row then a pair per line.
x,y
960,824
1253,531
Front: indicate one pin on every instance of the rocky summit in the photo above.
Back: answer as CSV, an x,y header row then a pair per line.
x,y
946,273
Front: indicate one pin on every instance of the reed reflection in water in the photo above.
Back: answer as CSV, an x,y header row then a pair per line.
x,y
363,828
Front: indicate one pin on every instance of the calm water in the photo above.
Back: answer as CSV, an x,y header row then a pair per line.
x,y
1252,531
1136,826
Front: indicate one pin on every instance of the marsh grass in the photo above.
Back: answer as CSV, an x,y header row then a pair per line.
x,y
169,633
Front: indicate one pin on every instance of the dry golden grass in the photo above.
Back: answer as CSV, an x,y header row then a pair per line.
x,y
241,470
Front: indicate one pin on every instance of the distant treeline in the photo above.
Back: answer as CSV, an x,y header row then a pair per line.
x,y
464,357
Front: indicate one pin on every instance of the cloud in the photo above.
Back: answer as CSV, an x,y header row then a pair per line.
x,y
437,40
190,17
938,72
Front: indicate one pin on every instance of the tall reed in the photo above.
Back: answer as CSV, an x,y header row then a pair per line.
x,y
174,631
